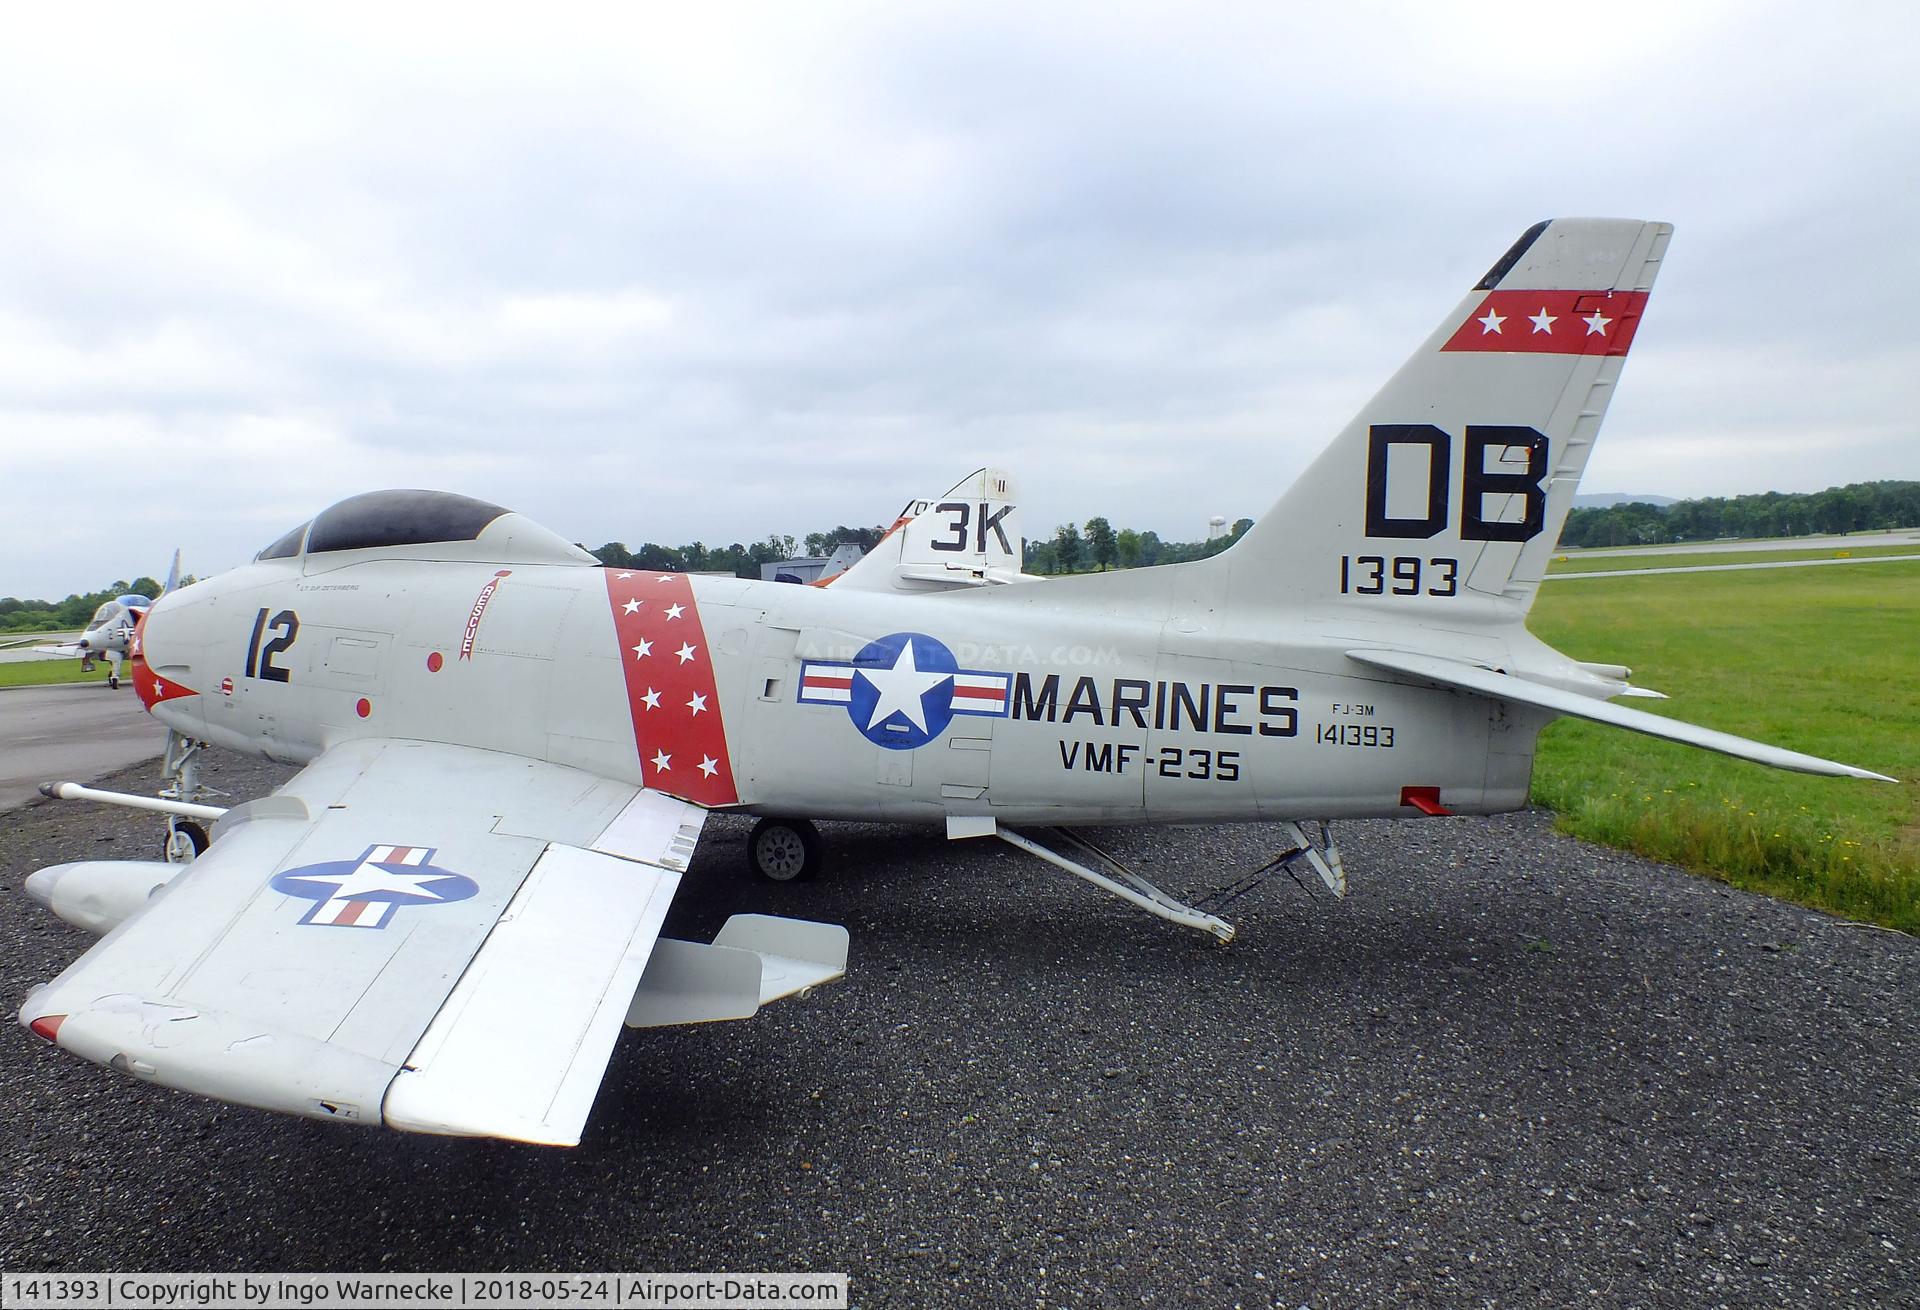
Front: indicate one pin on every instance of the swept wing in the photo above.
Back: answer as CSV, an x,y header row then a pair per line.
x,y
433,937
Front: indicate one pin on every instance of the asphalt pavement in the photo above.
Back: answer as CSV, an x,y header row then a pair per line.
x,y
70,732
1510,1070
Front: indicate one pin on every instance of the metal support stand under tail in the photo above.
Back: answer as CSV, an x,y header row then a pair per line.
x,y
1115,877
1323,857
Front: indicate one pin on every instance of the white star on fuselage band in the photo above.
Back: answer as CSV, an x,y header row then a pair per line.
x,y
709,765
1492,322
1543,321
675,611
901,688
630,607
1597,324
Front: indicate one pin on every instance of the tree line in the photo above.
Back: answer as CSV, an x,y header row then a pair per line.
x,y
1073,548
742,561
1856,507
18,615
1097,545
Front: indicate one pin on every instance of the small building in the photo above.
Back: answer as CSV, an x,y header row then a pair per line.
x,y
812,568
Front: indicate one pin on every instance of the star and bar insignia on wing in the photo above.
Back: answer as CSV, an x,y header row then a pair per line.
x,y
369,891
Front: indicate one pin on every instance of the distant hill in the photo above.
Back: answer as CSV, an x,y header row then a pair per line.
x,y
1608,499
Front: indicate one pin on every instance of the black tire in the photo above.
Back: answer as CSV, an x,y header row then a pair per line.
x,y
784,850
193,832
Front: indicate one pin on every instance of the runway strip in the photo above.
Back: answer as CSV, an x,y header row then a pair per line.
x,y
70,732
1727,568
1510,1069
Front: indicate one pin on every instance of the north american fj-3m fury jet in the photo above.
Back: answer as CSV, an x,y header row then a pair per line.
x,y
441,922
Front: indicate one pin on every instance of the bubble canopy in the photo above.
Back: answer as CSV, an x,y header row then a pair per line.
x,y
379,520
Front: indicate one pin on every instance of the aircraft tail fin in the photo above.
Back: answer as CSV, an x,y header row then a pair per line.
x,y
1444,498
969,537
173,574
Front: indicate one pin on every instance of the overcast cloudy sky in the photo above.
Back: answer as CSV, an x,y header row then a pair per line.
x,y
647,275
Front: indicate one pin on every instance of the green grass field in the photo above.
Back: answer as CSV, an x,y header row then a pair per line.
x,y
39,673
1584,563
1819,660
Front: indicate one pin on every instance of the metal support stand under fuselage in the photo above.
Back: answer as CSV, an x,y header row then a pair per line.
x,y
1112,876
1323,857
1117,878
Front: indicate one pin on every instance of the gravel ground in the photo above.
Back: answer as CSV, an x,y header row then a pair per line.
x,y
1510,1070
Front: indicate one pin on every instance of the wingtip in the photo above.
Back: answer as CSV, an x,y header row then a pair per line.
x,y
1849,771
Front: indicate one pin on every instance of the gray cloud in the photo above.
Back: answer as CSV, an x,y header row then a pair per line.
x,y
646,276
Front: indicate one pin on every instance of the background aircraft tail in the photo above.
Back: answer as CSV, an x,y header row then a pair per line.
x,y
969,537
1444,498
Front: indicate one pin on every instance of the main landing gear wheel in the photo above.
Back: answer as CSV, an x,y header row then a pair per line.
x,y
784,850
185,840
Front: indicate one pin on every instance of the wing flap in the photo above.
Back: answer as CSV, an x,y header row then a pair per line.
x,y
519,1047
1504,686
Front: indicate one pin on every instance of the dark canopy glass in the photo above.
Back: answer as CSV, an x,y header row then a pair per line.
x,y
399,518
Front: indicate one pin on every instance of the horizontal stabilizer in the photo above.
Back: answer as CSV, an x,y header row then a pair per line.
x,y
1506,687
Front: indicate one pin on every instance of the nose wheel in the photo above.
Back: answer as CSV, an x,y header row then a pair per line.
x,y
185,840
784,850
